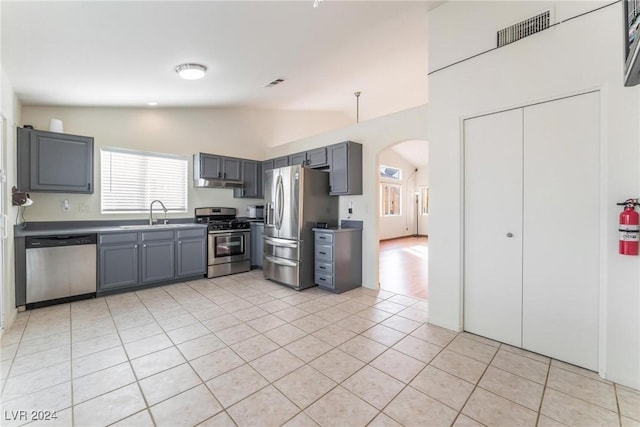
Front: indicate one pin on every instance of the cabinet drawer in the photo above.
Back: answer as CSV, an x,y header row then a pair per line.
x,y
324,237
185,234
148,236
324,253
106,239
324,267
324,279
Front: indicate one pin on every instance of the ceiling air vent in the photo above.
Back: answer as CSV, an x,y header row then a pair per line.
x,y
524,28
275,82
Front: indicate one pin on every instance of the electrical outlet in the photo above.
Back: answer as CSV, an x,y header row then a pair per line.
x,y
65,205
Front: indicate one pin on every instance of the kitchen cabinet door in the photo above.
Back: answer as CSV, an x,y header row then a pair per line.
x,y
493,226
118,266
157,261
281,162
192,257
231,168
345,168
298,159
210,166
54,162
252,179
317,157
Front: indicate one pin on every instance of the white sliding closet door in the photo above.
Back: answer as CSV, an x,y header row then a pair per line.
x,y
561,229
493,224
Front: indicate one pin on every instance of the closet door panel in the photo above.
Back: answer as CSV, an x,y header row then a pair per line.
x,y
492,226
561,229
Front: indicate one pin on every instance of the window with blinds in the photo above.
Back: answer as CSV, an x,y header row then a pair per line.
x,y
131,180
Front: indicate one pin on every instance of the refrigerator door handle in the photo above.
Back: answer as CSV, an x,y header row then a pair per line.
x,y
280,261
280,200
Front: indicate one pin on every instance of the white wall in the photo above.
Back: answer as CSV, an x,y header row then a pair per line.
x,y
182,131
10,112
375,136
578,55
404,224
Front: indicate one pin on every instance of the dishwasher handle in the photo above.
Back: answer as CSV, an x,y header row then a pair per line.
x,y
60,240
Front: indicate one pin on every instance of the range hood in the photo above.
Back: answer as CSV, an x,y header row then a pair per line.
x,y
216,183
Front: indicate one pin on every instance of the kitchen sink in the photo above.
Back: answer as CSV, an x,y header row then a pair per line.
x,y
150,227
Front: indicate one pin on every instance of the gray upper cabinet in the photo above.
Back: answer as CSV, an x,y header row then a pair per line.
x,y
267,165
54,162
281,162
231,168
345,168
298,159
210,166
252,179
214,167
317,157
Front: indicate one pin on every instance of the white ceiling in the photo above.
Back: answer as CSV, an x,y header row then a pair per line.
x,y
123,53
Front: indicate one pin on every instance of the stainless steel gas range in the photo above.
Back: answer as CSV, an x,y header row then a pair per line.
x,y
229,243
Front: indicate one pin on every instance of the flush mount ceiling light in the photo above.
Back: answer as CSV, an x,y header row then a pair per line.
x,y
191,71
316,3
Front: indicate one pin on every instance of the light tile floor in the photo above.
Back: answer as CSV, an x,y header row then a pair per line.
x,y
239,350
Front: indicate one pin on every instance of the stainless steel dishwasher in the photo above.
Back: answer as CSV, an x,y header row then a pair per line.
x,y
60,266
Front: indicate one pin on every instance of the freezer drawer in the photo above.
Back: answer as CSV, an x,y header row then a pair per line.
x,y
281,270
282,248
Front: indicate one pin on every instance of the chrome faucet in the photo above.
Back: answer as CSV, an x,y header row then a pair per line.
x,y
164,208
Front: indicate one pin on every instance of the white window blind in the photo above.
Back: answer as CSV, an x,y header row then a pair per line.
x,y
131,180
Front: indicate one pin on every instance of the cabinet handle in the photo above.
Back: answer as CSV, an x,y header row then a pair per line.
x,y
144,246
322,268
322,253
322,278
224,174
322,237
89,186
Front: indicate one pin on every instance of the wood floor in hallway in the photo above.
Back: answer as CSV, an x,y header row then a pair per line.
x,y
403,266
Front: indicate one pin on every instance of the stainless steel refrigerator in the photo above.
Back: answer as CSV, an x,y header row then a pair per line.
x,y
296,198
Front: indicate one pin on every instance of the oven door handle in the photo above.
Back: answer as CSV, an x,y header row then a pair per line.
x,y
280,261
282,243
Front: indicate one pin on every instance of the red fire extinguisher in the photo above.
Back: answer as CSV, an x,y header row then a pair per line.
x,y
629,228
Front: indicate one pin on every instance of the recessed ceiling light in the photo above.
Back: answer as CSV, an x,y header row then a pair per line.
x,y
191,71
152,104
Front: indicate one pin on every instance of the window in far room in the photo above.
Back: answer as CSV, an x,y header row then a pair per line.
x,y
390,197
387,172
424,200
131,180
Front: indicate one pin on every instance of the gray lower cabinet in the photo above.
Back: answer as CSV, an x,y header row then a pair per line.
x,y
192,256
338,258
157,261
118,266
136,259
54,162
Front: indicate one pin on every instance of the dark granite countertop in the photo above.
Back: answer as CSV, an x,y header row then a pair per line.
x,y
49,228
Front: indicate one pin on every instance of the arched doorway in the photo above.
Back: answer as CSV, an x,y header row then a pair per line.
x,y
402,174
